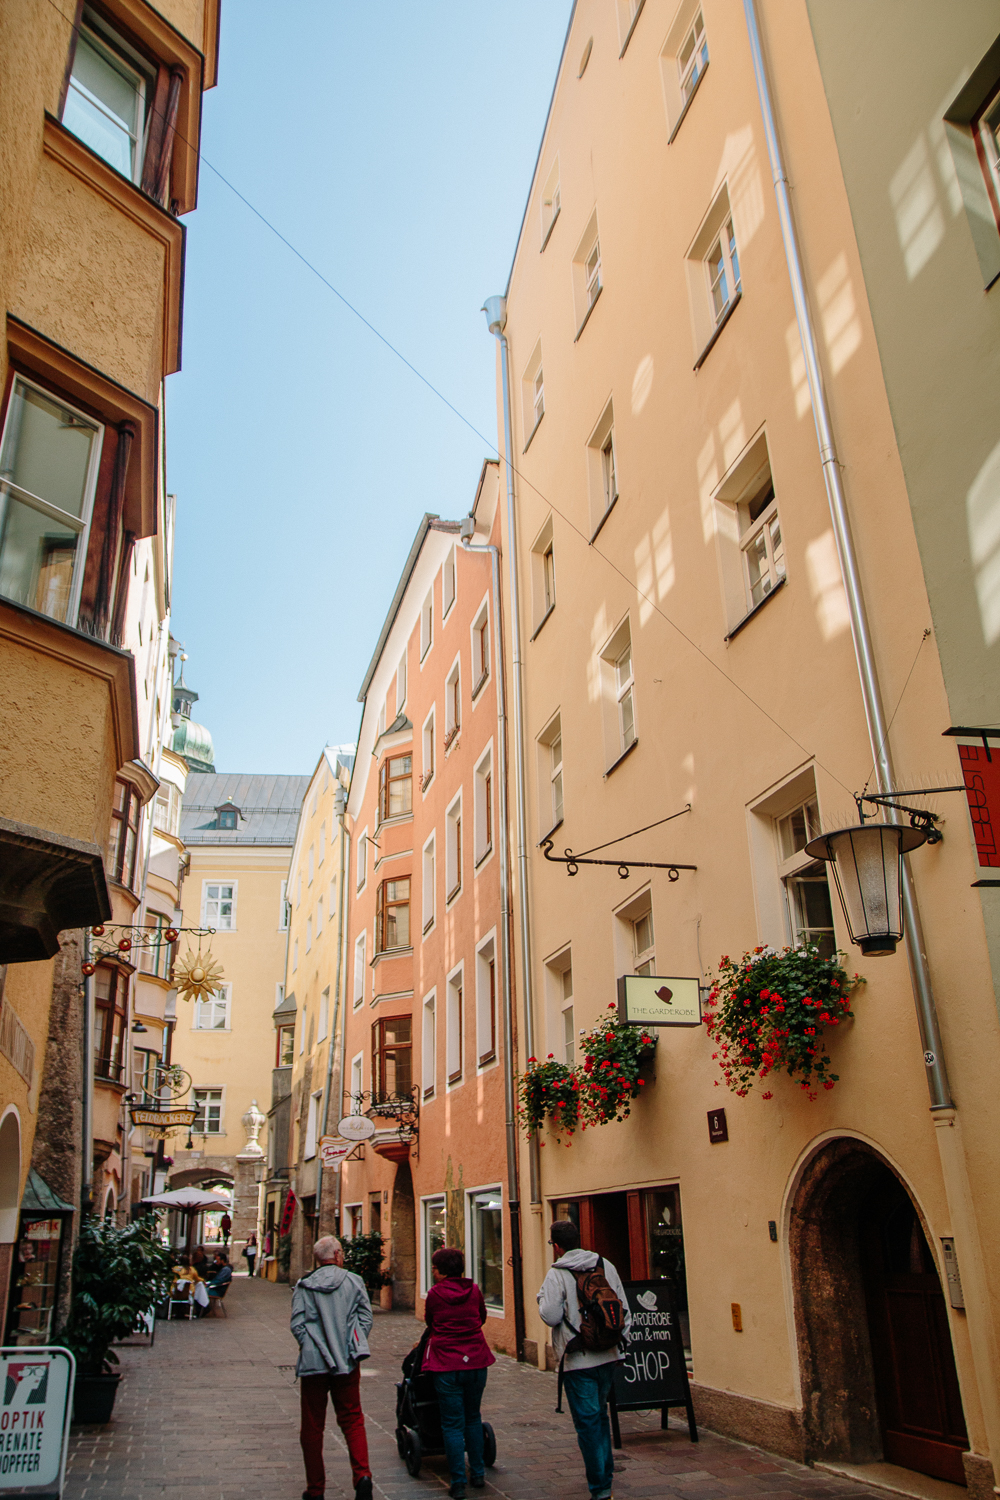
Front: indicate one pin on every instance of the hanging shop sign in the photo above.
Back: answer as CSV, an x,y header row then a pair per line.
x,y
652,1370
332,1150
36,1398
656,1000
356,1128
980,762
287,1214
163,1119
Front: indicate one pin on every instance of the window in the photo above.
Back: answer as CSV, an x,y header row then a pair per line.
x,y
434,1235
157,957
167,813
559,990
543,576
312,1124
392,1047
145,1082
486,1215
123,839
761,545
634,940
357,1083
448,584
319,915
283,907
428,752
392,915
106,102
427,625
362,857
213,1014
602,467
428,886
395,787
551,203
298,889
218,905
208,1119
748,533
713,272
480,648
587,284
723,268
692,59
453,705
455,1024
428,1047
453,850
486,1003
359,968
683,62
642,944
401,685
618,699
226,818
309,934
483,810
285,1053
324,1015
550,776
322,842
807,891
532,394
110,1005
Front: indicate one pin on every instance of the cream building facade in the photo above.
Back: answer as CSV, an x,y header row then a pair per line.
x,y
689,650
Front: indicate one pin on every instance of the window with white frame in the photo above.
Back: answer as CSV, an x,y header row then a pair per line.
x,y
483,810
109,96
213,1014
428,1046
401,685
587,283
428,884
804,880
448,584
486,1003
309,934
427,738
167,815
747,526
312,1124
455,1027
722,264
218,904
283,904
312,862
532,393
486,1225
559,984
692,59
683,61
618,695
453,849
362,860
480,648
543,576
433,1235
353,1220
324,1015
713,272
453,705
550,776
634,939
359,968
602,468
551,202
295,955
427,625
761,544
208,1112
357,1083
644,961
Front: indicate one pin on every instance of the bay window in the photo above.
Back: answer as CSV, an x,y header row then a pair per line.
x,y
395,787
108,99
392,1048
123,838
392,915
110,1003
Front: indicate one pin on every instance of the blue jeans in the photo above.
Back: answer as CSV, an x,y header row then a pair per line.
x,y
459,1394
587,1392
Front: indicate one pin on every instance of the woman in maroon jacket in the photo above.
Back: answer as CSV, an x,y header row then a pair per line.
x,y
458,1356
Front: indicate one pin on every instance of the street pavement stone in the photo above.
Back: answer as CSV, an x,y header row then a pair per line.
x,y
210,1412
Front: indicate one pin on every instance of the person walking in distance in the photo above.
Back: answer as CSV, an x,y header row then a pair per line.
x,y
226,1225
249,1251
458,1356
331,1320
583,1301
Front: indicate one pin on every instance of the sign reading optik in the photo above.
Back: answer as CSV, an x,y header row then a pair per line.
x,y
36,1392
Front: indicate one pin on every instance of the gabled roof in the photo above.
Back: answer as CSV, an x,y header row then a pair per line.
x,y
268,808
401,587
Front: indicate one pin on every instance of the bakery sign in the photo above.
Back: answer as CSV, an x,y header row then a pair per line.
x,y
163,1119
658,1000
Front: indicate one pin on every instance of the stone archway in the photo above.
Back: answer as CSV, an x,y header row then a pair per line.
x,y
404,1239
10,1197
847,1215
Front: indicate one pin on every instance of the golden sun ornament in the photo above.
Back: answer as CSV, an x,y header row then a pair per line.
x,y
197,976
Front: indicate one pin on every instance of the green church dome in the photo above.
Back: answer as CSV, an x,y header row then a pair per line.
x,y
194,742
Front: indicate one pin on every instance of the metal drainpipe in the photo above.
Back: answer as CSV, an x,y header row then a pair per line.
x,y
513,1188
87,1088
332,1049
496,317
923,995
345,865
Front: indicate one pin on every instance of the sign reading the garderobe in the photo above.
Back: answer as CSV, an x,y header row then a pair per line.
x,y
36,1395
652,1000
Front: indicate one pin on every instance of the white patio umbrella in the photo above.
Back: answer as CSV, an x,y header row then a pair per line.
x,y
190,1201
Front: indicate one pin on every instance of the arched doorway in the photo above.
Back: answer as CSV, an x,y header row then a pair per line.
x,y
878,1370
404,1238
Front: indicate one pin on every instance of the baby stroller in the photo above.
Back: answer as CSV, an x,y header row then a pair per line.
x,y
418,1421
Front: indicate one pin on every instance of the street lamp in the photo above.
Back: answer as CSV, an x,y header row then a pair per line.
x,y
867,866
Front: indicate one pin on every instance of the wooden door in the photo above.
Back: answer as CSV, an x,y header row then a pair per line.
x,y
920,1406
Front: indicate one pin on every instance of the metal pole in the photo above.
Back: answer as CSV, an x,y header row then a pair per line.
x,y
923,995
345,865
332,1049
87,1085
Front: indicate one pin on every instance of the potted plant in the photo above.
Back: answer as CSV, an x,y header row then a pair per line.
x,y
363,1255
550,1091
119,1273
614,1052
770,1010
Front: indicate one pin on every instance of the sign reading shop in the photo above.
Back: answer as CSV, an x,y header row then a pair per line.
x,y
652,1371
656,1000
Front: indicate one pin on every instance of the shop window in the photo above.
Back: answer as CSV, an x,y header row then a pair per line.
x,y
36,1274
110,1005
433,1235
665,1247
395,787
123,839
486,1224
392,1046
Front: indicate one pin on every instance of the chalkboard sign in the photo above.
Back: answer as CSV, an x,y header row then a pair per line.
x,y
652,1372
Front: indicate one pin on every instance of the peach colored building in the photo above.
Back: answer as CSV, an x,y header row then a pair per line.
x,y
424,1054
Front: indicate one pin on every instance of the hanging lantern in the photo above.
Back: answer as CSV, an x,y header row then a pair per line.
x,y
867,866
197,976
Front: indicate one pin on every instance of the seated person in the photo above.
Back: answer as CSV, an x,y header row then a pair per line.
x,y
221,1276
200,1263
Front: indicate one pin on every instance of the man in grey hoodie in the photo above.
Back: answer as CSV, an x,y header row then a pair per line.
x,y
589,1374
331,1320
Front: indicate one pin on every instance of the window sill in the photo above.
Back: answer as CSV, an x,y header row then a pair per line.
x,y
586,316
484,856
452,738
454,1079
757,607
405,817
554,829
734,304
446,612
531,434
490,1057
624,756
428,1093
687,105
635,22
426,782
452,894
538,627
600,525
480,685
390,953
548,232
428,927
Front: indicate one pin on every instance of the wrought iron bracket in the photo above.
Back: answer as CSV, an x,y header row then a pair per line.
x,y
919,817
574,861
403,1109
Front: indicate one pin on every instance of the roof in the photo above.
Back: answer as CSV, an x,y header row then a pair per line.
x,y
39,1197
401,587
268,807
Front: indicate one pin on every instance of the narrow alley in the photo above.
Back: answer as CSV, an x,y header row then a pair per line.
x,y
210,1412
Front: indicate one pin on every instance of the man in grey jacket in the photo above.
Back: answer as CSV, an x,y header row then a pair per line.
x,y
331,1320
589,1374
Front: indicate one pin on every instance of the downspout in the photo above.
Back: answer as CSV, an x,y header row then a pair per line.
x,y
954,1168
495,309
513,1189
87,1086
342,939
332,1049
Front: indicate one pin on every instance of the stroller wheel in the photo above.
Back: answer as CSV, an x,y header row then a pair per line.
x,y
401,1441
489,1445
413,1454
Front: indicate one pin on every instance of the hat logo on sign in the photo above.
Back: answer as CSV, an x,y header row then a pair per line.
x,y
667,996
647,1300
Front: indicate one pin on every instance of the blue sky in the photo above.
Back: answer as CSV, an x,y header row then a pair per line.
x,y
394,148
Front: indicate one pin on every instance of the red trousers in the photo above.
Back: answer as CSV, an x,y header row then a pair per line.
x,y
345,1393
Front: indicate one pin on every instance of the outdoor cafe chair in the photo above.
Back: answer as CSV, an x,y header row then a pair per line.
x,y
217,1298
180,1296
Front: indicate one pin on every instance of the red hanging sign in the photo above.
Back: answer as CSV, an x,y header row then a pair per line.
x,y
981,774
287,1213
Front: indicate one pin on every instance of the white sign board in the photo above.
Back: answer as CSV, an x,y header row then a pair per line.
x,y
653,1000
36,1398
356,1128
332,1150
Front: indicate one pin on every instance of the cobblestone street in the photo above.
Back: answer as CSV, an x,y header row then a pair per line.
x,y
211,1413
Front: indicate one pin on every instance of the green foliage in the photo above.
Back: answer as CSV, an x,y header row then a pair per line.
x,y
600,1091
363,1256
769,1011
549,1090
118,1275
